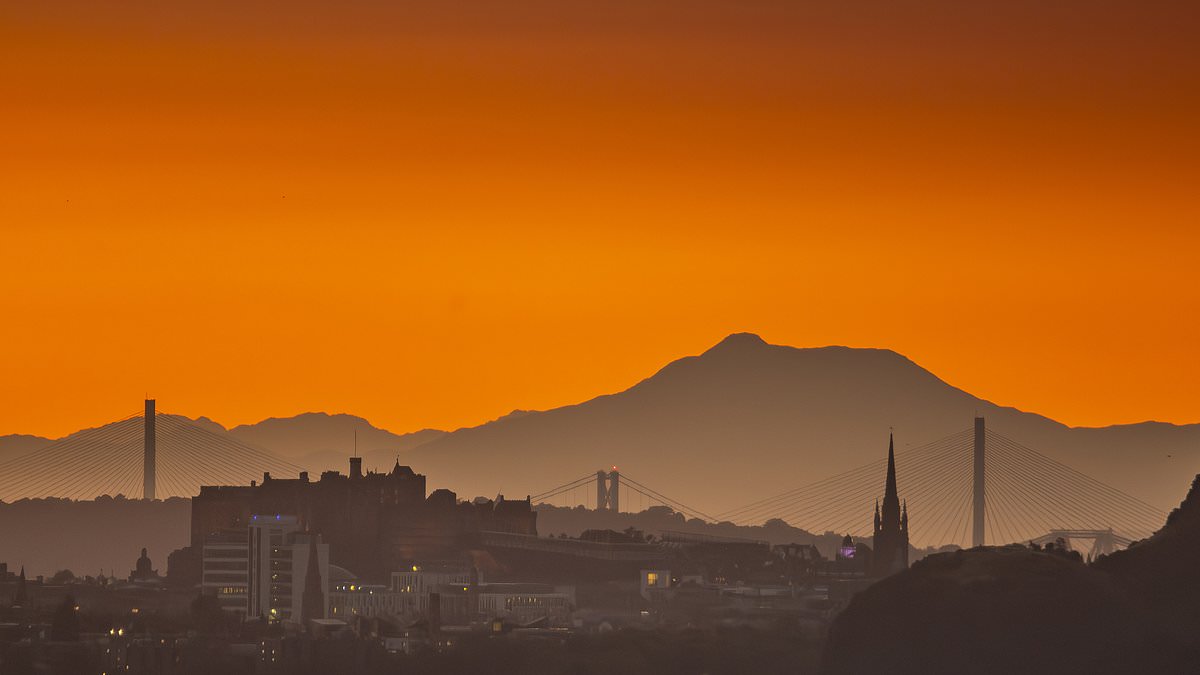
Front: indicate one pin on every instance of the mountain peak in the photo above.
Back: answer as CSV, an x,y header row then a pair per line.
x,y
738,342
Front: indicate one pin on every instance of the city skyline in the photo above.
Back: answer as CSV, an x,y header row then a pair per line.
x,y
549,337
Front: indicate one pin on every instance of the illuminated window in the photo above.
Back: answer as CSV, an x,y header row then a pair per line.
x,y
651,578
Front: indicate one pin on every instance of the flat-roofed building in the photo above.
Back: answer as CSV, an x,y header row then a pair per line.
x,y
225,562
419,580
349,599
523,603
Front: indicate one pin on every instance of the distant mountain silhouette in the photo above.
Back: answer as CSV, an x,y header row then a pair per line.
x,y
15,445
747,419
315,441
318,440
742,421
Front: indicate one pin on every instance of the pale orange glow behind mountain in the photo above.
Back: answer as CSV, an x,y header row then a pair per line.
x,y
431,213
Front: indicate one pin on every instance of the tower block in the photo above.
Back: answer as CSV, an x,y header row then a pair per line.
x,y
148,453
978,503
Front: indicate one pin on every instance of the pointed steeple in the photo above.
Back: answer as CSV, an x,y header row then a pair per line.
x,y
891,531
876,515
21,596
312,602
889,490
889,512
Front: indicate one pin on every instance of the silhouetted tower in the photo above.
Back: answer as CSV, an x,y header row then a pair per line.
x,y
312,603
148,453
21,596
890,543
608,490
978,504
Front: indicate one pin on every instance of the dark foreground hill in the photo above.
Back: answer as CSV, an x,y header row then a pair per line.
x,y
1010,610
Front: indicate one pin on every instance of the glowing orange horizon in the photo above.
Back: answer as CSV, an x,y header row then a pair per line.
x,y
430,217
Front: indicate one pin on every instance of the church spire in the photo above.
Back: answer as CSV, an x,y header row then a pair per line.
x,y
312,602
889,490
890,543
21,597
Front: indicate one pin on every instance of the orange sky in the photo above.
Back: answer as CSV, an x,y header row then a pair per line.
x,y
430,213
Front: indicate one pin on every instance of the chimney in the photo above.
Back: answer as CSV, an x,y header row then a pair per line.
x,y
304,476
266,477
356,467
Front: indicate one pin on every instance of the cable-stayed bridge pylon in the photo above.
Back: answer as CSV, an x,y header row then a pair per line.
x,y
970,488
149,454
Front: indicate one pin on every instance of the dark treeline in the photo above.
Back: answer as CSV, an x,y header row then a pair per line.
x,y
571,521
629,652
87,537
689,652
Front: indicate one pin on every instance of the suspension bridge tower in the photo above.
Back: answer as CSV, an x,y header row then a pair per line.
x,y
978,504
148,448
608,490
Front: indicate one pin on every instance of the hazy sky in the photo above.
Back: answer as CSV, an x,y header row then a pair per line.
x,y
430,213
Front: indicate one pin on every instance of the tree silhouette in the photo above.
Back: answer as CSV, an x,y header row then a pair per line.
x,y
207,615
62,577
65,626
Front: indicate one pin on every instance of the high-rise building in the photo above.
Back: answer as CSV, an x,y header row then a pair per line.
x,y
281,570
890,543
270,569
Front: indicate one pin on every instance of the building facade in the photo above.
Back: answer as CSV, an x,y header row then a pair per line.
x,y
372,521
523,603
225,563
271,568
421,580
348,599
284,563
